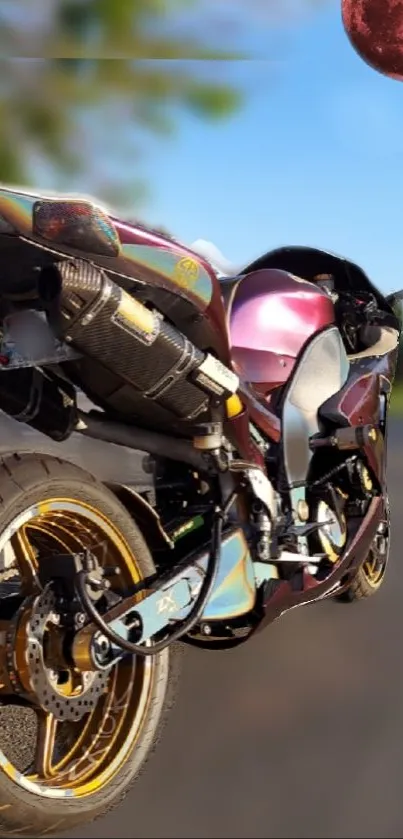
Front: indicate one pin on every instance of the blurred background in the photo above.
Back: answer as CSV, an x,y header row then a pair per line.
x,y
244,123
240,125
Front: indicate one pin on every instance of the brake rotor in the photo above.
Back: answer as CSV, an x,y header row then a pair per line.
x,y
30,674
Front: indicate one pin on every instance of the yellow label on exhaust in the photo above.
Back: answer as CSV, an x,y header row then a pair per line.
x,y
135,318
134,313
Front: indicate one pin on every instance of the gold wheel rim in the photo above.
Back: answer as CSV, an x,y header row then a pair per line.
x,y
99,745
374,570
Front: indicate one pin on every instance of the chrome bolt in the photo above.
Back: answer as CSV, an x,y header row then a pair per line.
x,y
101,647
79,618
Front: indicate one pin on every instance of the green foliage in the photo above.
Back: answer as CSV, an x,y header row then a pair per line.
x,y
84,80
84,83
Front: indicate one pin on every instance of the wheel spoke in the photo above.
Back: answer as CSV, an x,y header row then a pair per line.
x,y
98,721
26,559
45,744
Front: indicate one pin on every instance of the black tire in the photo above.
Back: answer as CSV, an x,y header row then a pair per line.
x,y
360,587
364,583
25,480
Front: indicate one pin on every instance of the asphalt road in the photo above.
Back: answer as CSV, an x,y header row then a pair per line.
x,y
297,734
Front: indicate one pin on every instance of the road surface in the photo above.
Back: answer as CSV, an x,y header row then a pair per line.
x,y
297,734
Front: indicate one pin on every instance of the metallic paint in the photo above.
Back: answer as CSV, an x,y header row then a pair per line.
x,y
234,592
136,248
269,317
233,595
273,315
359,403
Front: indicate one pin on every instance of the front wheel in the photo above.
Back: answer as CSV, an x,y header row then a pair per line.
x,y
370,575
71,742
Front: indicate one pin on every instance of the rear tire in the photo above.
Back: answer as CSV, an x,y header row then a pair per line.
x,y
31,480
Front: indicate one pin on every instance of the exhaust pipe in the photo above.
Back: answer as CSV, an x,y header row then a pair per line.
x,y
159,445
155,366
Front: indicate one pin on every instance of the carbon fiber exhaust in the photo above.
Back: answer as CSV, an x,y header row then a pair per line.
x,y
155,364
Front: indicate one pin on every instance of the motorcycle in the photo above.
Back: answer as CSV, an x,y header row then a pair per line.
x,y
260,402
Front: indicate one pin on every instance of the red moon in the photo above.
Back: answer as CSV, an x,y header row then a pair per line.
x,y
375,29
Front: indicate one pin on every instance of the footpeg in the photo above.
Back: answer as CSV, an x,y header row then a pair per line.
x,y
299,559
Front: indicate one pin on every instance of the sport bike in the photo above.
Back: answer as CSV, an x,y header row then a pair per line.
x,y
260,404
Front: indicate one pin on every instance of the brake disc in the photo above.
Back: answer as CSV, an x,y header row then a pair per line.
x,y
29,673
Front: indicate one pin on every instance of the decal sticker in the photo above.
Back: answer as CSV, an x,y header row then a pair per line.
x,y
134,317
186,272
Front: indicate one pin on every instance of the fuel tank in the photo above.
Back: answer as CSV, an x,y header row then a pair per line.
x,y
271,317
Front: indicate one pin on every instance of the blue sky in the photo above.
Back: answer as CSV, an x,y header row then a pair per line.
x,y
315,156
